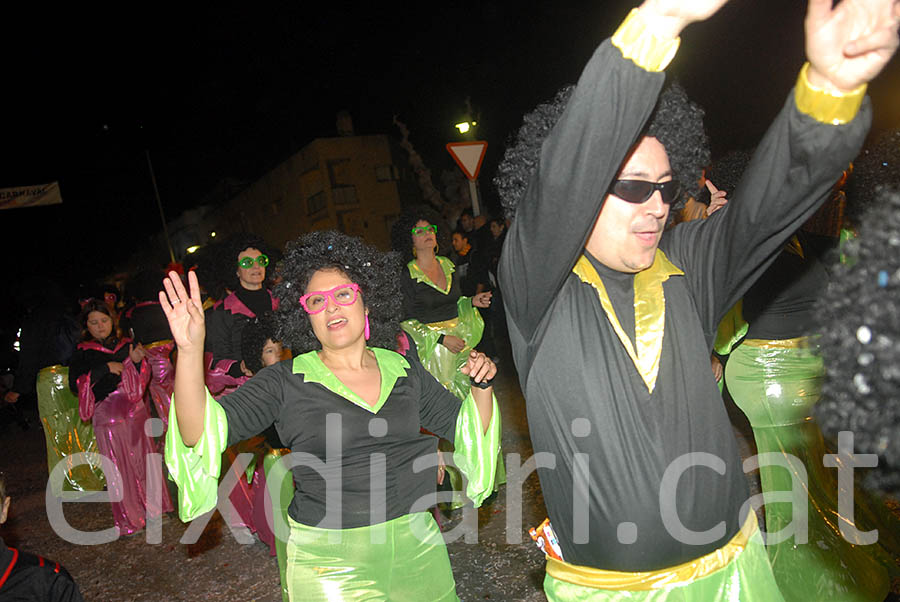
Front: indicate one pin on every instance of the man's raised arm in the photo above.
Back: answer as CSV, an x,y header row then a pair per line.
x,y
803,154
613,99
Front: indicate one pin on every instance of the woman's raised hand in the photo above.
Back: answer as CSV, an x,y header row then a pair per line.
x,y
184,312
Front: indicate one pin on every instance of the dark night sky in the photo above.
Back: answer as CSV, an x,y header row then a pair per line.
x,y
232,91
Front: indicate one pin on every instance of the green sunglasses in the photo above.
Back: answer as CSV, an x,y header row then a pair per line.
x,y
421,230
247,262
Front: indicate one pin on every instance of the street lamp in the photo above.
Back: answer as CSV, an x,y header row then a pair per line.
x,y
465,126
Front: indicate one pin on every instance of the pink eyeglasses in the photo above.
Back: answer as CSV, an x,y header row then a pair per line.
x,y
316,301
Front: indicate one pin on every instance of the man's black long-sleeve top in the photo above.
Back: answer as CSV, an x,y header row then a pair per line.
x,y
587,404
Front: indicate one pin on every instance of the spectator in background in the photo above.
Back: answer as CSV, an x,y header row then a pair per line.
x,y
471,267
474,226
49,335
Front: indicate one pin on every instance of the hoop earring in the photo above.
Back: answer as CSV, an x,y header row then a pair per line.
x,y
414,252
367,332
436,249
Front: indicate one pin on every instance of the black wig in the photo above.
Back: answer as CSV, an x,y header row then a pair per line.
x,y
232,247
861,342
877,165
401,231
725,173
375,272
676,122
253,339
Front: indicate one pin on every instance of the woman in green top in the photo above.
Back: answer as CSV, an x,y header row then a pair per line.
x,y
351,411
445,325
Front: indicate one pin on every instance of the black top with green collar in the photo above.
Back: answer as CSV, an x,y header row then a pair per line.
x,y
316,416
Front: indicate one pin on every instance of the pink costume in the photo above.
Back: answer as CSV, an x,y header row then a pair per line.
x,y
118,422
162,379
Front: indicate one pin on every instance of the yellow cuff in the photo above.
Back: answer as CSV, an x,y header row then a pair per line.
x,y
824,105
644,49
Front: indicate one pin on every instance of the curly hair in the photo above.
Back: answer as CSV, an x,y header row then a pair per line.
x,y
877,165
676,122
401,237
725,173
523,150
374,271
861,342
226,261
253,340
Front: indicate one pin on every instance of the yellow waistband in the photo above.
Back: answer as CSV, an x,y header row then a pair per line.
x,y
681,574
155,344
797,343
445,325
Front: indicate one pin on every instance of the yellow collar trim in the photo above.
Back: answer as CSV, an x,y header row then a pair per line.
x,y
418,274
649,312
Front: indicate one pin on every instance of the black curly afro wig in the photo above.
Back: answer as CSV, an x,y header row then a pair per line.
x,y
401,235
374,271
253,339
861,342
226,264
725,173
676,122
877,165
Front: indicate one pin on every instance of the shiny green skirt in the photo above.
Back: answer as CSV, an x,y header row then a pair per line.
x,y
776,383
401,560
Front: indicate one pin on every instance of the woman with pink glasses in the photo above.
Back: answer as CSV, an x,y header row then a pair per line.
x,y
351,410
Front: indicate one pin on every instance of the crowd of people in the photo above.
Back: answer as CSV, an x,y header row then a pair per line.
x,y
336,385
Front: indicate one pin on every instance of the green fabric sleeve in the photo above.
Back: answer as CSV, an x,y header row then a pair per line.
x,y
196,469
731,330
471,324
475,450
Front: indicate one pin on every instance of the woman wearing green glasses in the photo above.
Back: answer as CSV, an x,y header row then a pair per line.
x,y
444,325
244,267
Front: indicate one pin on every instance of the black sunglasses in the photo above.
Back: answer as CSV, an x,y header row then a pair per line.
x,y
638,191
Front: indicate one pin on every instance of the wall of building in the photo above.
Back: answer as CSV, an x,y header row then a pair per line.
x,y
352,183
